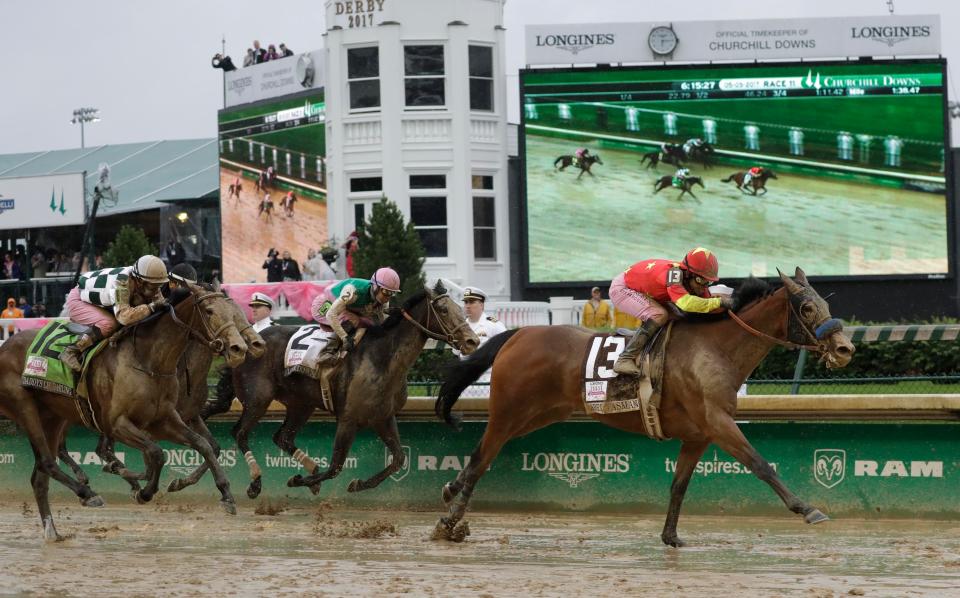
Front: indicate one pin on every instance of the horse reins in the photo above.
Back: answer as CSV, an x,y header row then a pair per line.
x,y
449,338
772,339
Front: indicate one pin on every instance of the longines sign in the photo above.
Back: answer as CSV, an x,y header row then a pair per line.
x,y
603,43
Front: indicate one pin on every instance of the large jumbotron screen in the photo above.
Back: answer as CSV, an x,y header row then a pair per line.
x,y
285,139
857,149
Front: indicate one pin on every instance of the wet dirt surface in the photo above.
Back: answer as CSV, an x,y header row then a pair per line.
x,y
190,549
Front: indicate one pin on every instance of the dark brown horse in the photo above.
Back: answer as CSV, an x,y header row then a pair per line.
x,y
670,153
686,185
584,164
368,389
133,391
537,381
757,182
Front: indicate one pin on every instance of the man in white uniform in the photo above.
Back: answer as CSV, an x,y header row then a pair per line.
x,y
485,327
261,305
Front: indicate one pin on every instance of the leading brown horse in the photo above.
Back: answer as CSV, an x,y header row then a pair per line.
x,y
757,182
537,381
133,391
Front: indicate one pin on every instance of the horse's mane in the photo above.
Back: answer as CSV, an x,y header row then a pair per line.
x,y
396,313
752,290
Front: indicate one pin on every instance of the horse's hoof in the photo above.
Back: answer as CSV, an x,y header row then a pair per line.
x,y
295,481
49,531
815,516
447,493
355,486
253,490
674,541
315,489
94,501
176,485
460,532
442,530
141,497
229,507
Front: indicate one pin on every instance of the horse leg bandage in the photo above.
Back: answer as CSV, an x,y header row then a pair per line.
x,y
309,464
252,463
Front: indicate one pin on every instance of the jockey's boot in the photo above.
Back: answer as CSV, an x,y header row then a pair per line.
x,y
629,361
330,355
72,355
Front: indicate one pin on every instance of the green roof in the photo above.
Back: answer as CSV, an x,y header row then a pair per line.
x,y
144,173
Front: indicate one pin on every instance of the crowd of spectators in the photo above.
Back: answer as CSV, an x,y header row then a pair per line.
x,y
256,54
281,267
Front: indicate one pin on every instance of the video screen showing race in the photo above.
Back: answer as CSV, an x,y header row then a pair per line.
x,y
836,166
272,184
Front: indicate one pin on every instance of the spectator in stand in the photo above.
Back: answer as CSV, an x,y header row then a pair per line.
x,y
290,268
219,61
596,312
173,253
11,269
285,51
271,53
349,248
39,310
98,262
25,307
273,266
249,59
10,313
317,268
39,264
259,54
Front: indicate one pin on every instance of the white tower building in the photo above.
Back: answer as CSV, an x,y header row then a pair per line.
x,y
416,111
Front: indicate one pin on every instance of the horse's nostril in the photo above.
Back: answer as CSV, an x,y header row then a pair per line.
x,y
236,349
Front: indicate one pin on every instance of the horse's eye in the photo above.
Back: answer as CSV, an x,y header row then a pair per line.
x,y
209,310
807,311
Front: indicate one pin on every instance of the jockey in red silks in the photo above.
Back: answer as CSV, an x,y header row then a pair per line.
x,y
755,171
642,290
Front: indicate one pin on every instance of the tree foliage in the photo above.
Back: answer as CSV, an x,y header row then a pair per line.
x,y
386,239
130,244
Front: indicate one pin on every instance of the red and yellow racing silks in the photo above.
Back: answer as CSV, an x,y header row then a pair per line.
x,y
663,281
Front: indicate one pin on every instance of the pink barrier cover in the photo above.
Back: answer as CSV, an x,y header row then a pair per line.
x,y
299,295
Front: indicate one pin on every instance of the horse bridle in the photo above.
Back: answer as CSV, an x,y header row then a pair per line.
x,y
448,334
212,339
824,328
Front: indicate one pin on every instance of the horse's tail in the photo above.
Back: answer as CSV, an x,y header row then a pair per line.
x,y
557,161
223,397
729,178
464,373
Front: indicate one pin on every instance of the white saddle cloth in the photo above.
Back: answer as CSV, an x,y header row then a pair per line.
x,y
305,345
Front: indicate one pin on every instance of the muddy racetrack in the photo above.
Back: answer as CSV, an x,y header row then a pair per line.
x,y
314,549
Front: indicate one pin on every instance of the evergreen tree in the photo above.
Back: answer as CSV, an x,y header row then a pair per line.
x,y
386,240
129,244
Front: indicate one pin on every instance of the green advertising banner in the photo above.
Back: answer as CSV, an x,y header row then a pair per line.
x,y
846,469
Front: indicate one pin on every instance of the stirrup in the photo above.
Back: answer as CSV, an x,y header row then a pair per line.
x,y
71,356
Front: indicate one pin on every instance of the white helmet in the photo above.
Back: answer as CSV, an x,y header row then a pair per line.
x,y
150,268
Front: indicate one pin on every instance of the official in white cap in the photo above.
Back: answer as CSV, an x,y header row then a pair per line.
x,y
261,305
485,326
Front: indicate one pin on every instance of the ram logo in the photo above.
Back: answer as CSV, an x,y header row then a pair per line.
x,y
829,466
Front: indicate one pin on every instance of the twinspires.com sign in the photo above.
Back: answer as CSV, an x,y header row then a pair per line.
x,y
605,43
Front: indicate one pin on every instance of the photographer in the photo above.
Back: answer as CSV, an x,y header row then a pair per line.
x,y
274,266
219,61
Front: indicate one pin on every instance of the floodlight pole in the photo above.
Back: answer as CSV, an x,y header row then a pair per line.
x,y
82,116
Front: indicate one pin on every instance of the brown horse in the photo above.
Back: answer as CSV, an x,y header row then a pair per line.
x,y
584,164
537,381
686,186
368,389
133,391
756,183
192,373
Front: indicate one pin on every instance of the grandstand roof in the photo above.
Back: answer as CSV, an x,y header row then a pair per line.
x,y
145,173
